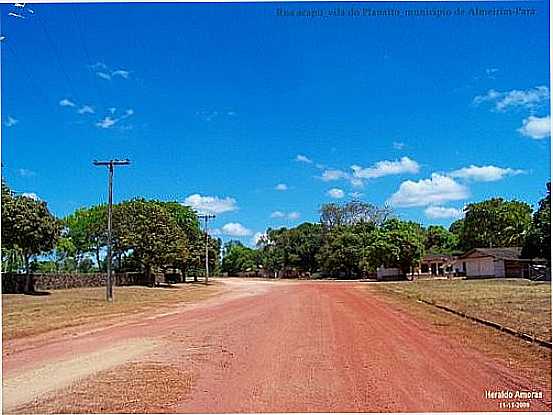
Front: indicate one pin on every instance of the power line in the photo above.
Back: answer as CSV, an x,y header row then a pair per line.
x,y
57,56
90,63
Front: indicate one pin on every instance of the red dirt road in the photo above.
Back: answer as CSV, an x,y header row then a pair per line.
x,y
301,347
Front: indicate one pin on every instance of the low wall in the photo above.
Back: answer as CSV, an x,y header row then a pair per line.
x,y
389,274
15,283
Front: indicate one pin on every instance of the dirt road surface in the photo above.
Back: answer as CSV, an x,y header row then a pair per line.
x,y
259,347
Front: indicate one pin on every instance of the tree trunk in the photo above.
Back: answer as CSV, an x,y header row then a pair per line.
x,y
149,275
28,278
98,259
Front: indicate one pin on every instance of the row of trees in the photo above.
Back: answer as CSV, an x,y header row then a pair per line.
x,y
355,238
351,239
147,235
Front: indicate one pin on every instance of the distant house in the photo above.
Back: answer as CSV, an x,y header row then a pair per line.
x,y
430,265
436,264
494,262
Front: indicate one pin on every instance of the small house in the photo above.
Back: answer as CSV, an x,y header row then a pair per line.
x,y
436,264
494,263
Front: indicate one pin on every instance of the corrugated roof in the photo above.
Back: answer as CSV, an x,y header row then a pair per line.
x,y
499,253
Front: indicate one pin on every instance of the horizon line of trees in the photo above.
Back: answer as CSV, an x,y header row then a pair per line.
x,y
355,238
351,239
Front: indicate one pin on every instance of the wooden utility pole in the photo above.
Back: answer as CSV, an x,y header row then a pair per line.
x,y
206,217
110,165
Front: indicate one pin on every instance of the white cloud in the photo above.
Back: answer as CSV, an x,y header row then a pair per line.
x,y
484,173
104,75
356,182
258,237
10,122
440,212
26,173
31,196
215,231
502,101
398,145
334,174
303,159
379,169
105,72
235,229
386,168
281,186
277,214
66,103
336,193
107,122
98,66
86,109
293,215
536,127
122,73
210,204
437,189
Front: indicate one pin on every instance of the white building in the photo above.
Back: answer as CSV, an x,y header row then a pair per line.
x,y
494,262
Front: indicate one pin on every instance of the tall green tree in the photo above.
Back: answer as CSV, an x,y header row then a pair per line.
x,y
456,228
239,258
187,220
304,242
12,258
28,226
151,233
495,223
405,243
355,211
87,230
438,240
538,240
65,255
339,252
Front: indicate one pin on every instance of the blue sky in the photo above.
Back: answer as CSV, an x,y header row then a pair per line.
x,y
214,103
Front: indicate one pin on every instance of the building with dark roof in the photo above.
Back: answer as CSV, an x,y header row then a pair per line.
x,y
494,262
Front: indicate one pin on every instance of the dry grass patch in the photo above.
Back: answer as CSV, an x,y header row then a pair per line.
x,y
24,315
519,304
133,388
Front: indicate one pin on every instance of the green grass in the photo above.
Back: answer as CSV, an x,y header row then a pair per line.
x,y
516,303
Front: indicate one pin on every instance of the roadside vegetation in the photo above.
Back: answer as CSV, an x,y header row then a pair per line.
x,y
148,235
516,303
353,239
25,315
